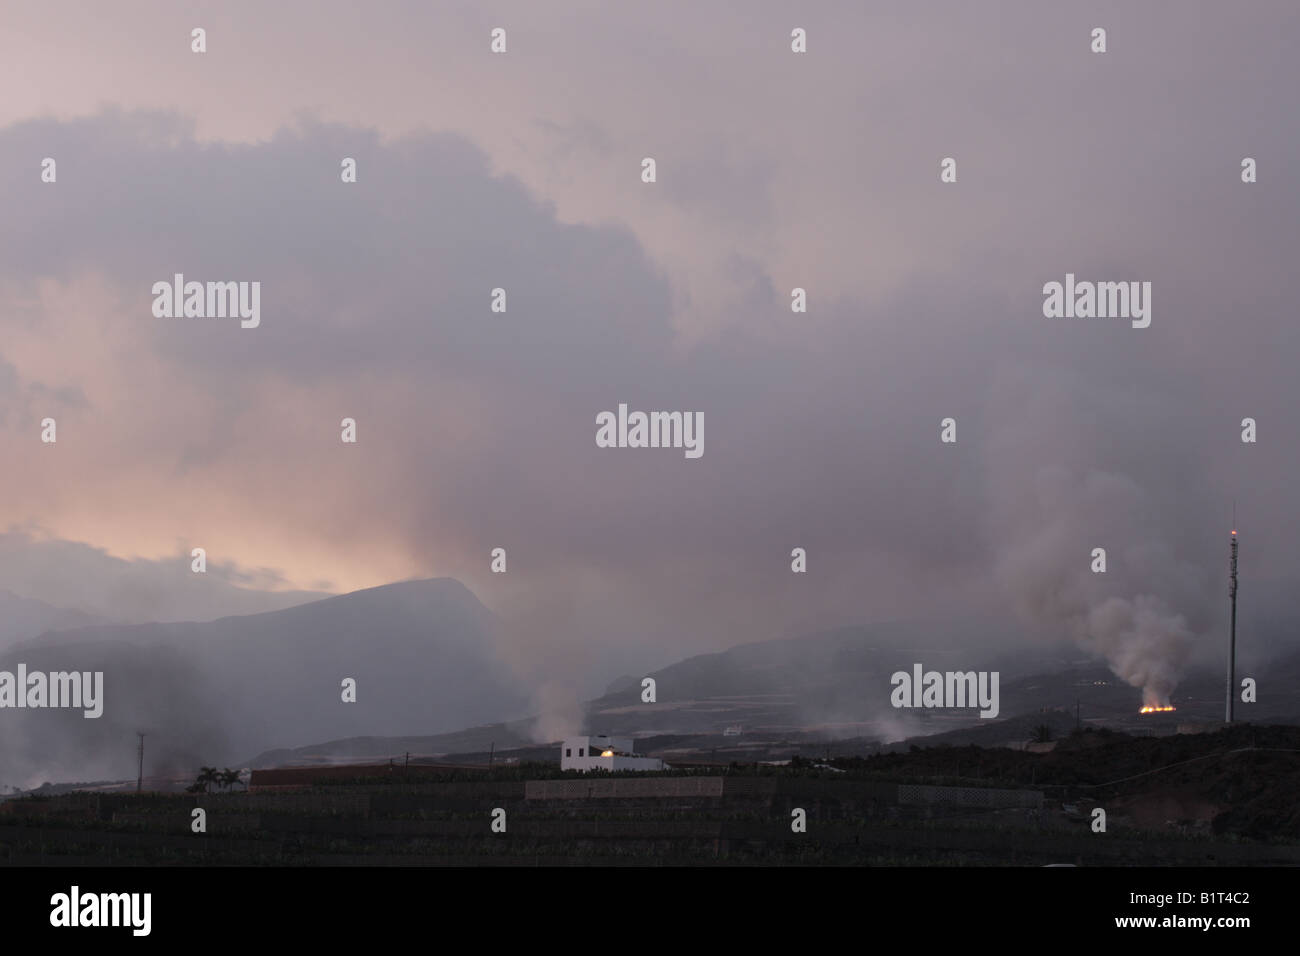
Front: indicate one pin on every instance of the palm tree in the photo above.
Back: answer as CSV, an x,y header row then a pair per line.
x,y
228,778
207,777
1042,734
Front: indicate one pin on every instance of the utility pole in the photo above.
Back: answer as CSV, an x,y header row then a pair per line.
x,y
1232,628
139,779
491,753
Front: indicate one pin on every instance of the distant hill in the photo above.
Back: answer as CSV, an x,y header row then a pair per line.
x,y
512,736
24,618
422,654
837,681
786,694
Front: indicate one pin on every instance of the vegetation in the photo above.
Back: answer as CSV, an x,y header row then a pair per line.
x,y
210,777
1250,773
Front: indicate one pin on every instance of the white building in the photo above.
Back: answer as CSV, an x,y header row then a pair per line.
x,y
603,753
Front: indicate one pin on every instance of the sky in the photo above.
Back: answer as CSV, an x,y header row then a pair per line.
x,y
775,170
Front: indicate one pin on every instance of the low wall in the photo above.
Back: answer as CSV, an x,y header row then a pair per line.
x,y
629,788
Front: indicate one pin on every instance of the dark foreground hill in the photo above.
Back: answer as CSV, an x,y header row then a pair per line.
x,y
1223,798
1243,779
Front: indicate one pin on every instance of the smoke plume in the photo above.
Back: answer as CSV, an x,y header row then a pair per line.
x,y
1140,613
1146,644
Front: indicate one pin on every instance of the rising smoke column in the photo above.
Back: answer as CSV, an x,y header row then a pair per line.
x,y
1145,643
1135,614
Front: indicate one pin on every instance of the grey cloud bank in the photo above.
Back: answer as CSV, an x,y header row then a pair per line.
x,y
925,302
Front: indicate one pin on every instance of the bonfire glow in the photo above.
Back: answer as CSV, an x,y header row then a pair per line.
x,y
1156,710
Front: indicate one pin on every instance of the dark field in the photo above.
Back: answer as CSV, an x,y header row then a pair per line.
x,y
1224,798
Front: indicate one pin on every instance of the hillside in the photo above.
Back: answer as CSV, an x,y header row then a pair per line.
x,y
834,686
421,652
24,618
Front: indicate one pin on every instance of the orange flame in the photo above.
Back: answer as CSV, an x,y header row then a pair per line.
x,y
610,753
1156,710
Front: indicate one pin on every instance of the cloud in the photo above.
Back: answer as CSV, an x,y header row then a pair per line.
x,y
82,577
476,430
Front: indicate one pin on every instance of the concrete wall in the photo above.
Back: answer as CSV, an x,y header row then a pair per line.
x,y
627,788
